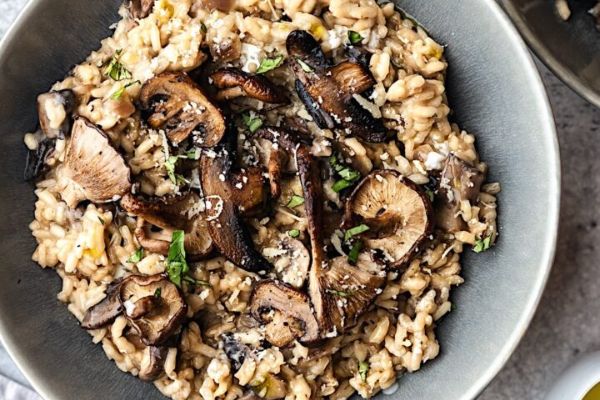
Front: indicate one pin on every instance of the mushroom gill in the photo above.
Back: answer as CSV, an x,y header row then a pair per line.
x,y
92,169
173,102
397,212
234,83
185,212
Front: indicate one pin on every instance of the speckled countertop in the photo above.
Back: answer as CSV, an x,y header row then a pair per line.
x,y
567,323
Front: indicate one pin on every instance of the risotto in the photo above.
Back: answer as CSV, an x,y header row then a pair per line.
x,y
259,198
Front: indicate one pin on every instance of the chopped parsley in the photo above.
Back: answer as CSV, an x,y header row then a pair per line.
x,y
482,244
137,256
430,194
170,163
339,293
253,123
363,370
305,67
157,293
295,201
349,175
177,266
119,93
356,230
193,154
268,64
354,37
294,233
196,282
354,252
115,69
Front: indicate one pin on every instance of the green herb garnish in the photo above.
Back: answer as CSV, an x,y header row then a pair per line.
x,y
356,230
115,69
354,37
196,282
117,95
295,201
157,293
203,27
253,123
294,233
340,185
430,194
177,266
170,167
193,154
137,256
268,64
354,252
363,370
482,244
305,67
349,175
339,293
101,220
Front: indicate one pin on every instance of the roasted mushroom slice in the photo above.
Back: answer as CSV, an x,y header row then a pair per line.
x,y
352,289
54,112
173,102
140,9
106,311
235,83
153,306
332,88
93,169
153,363
285,311
458,181
249,191
226,227
397,212
185,212
36,163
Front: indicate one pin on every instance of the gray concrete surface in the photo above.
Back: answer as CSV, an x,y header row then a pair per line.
x,y
567,323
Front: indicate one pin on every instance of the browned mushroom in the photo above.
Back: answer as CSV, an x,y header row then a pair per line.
x,y
140,8
153,363
249,191
397,212
173,102
36,163
285,311
93,169
221,5
278,158
153,307
235,83
226,228
54,112
458,181
331,89
184,212
105,311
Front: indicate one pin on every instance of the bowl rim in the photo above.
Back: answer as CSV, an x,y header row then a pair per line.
x,y
28,368
567,76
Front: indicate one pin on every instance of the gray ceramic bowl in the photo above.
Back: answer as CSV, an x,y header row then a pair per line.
x,y
497,94
571,49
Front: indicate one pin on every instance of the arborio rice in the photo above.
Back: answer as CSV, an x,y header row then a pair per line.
x,y
191,272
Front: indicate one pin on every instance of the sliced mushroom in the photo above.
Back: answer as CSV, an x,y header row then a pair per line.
x,y
140,9
236,352
397,212
458,181
332,88
93,169
173,102
153,363
249,191
36,163
54,112
226,228
290,258
278,158
235,83
106,311
185,212
285,311
154,320
353,289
